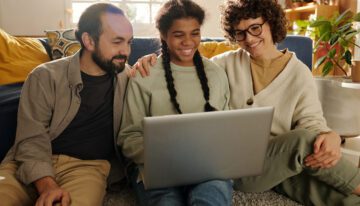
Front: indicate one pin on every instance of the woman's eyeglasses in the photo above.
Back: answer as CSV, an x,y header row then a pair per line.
x,y
254,30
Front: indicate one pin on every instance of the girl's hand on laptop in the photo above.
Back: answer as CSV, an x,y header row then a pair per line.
x,y
326,151
144,63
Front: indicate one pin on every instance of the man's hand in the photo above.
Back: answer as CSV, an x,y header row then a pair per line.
x,y
51,193
144,63
326,151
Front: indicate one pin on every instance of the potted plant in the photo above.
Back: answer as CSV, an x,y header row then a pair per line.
x,y
333,49
300,27
335,40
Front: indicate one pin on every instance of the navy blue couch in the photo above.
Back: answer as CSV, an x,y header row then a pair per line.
x,y
9,94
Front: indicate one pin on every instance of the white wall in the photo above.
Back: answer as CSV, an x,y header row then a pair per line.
x,y
32,17
1,13
211,26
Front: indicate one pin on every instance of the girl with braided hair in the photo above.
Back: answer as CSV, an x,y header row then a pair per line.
x,y
182,82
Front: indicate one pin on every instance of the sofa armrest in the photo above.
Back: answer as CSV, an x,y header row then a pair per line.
x,y
9,101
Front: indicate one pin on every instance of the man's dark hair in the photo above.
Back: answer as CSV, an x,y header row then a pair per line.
x,y
90,20
173,10
233,11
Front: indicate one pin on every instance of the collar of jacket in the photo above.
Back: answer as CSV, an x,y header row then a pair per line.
x,y
74,74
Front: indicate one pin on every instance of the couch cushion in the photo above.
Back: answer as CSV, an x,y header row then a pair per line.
x,y
18,56
142,46
212,48
301,45
63,43
208,47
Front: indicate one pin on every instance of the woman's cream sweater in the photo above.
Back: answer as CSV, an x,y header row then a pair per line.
x,y
293,93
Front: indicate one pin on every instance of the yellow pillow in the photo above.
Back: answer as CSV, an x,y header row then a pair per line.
x,y
18,56
213,48
62,42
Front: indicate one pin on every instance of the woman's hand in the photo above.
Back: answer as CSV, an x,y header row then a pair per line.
x,y
326,151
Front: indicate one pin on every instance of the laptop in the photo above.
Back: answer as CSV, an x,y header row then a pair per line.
x,y
192,148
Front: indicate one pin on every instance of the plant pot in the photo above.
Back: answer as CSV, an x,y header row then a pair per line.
x,y
340,100
355,71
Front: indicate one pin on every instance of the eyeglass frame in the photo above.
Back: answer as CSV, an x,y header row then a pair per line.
x,y
245,31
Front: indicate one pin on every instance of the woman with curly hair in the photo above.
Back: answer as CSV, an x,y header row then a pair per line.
x,y
183,82
303,158
306,168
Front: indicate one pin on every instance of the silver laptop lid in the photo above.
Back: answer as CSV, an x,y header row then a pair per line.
x,y
191,148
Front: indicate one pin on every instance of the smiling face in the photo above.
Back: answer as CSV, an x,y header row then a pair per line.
x,y
183,39
260,46
113,47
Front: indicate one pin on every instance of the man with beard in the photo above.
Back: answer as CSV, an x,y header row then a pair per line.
x,y
69,115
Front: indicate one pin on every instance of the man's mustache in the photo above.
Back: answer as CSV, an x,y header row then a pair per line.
x,y
124,57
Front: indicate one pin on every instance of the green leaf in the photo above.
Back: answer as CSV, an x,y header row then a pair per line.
x,y
302,23
350,36
326,31
321,39
343,43
327,68
320,61
332,53
345,27
357,17
318,23
351,31
334,39
346,15
347,56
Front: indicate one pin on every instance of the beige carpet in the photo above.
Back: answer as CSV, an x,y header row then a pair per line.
x,y
125,197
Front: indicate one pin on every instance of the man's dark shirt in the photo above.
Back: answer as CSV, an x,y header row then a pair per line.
x,y
90,134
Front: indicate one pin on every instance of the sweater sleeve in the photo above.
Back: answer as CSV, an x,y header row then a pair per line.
x,y
136,107
33,144
220,60
308,113
226,89
227,96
